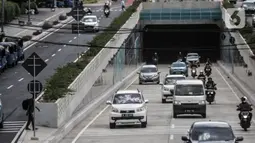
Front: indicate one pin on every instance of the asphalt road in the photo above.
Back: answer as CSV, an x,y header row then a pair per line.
x,y
13,85
162,127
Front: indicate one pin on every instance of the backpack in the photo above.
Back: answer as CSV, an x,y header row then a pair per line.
x,y
25,104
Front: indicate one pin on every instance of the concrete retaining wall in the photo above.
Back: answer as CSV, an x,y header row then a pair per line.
x,y
55,114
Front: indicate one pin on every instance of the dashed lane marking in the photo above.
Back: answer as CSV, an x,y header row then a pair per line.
x,y
74,37
46,60
70,41
64,45
172,126
20,79
9,86
59,50
53,55
171,137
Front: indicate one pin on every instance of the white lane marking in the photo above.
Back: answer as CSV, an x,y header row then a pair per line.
x,y
64,45
59,50
46,60
95,118
9,86
74,37
172,126
70,41
171,137
53,55
0,94
20,79
238,99
48,35
79,34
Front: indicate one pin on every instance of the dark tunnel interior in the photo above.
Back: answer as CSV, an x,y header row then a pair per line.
x,y
169,40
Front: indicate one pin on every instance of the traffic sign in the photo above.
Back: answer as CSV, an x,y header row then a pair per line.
x,y
223,36
34,64
34,87
232,40
77,13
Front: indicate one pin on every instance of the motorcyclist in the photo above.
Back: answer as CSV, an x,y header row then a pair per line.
x,y
180,56
107,5
244,106
155,56
193,65
201,76
207,66
208,62
210,83
87,10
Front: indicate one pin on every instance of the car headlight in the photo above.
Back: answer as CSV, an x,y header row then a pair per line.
x,y
211,92
177,102
140,109
202,102
155,75
115,110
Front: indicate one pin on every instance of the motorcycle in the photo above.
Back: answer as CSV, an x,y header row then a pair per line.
x,y
210,95
245,120
208,71
155,61
193,72
106,11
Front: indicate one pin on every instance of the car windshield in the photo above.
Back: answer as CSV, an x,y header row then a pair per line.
x,y
172,80
127,99
89,19
189,90
248,3
148,70
192,55
212,134
178,65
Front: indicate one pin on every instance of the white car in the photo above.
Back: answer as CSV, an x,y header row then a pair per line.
x,y
91,23
128,107
167,87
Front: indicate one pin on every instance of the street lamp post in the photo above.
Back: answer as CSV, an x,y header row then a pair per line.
x,y
2,18
28,16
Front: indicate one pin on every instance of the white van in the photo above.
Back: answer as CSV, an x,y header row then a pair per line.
x,y
189,98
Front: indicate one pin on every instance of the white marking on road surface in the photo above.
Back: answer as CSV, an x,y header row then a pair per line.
x,y
16,72
20,79
95,118
53,55
70,41
0,94
74,37
12,126
79,34
48,35
230,87
64,45
59,50
46,60
171,137
172,126
9,86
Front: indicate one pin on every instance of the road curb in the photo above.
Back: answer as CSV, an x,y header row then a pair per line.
x,y
237,83
47,33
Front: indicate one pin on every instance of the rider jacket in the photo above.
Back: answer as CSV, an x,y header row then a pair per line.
x,y
106,6
201,76
210,84
207,66
244,107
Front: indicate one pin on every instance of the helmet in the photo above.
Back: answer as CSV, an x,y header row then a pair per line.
x,y
155,53
209,79
244,99
201,72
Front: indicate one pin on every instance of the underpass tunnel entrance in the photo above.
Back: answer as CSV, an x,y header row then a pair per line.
x,y
169,40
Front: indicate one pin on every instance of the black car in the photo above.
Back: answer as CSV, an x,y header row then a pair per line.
x,y
211,132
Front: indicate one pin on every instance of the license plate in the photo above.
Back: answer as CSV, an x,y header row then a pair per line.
x,y
127,115
189,111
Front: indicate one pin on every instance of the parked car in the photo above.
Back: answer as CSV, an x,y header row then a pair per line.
x,y
3,61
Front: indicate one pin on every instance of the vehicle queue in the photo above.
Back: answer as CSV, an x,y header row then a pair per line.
x,y
188,96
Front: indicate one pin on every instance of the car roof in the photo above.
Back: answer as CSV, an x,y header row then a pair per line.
x,y
189,81
178,62
149,66
221,124
175,75
192,54
90,16
128,92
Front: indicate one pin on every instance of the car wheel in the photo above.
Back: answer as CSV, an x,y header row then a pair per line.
x,y
204,115
112,125
174,115
144,124
158,82
163,100
140,82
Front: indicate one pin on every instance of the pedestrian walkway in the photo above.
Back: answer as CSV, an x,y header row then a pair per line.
x,y
45,14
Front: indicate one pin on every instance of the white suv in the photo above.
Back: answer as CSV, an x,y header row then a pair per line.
x,y
167,87
128,107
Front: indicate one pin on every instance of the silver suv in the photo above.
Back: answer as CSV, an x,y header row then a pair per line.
x,y
149,73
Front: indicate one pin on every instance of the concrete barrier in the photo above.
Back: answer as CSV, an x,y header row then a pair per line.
x,y
237,83
64,130
62,110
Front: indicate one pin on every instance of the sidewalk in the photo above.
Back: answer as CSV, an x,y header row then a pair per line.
x,y
45,14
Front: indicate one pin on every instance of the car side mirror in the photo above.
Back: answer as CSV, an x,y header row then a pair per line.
x,y
159,72
169,66
146,101
138,72
160,83
108,102
238,139
184,138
